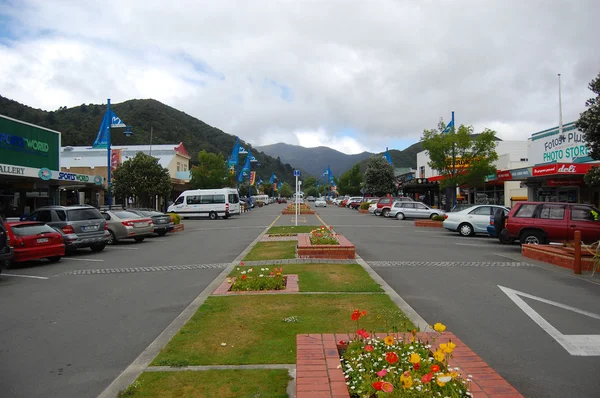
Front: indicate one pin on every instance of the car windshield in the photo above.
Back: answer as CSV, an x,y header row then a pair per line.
x,y
31,229
83,214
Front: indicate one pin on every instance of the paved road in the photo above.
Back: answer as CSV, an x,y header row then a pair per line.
x,y
72,334
455,280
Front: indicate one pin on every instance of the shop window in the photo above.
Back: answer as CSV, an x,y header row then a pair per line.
x,y
178,166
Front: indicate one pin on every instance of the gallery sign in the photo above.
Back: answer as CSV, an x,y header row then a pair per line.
x,y
552,146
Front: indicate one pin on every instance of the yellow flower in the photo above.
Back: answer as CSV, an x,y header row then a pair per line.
x,y
415,358
454,375
389,340
439,327
406,380
439,356
448,348
440,383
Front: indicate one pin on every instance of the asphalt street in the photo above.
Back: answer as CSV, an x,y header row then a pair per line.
x,y
456,280
73,333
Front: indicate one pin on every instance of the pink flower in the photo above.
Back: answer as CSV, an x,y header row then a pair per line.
x,y
387,387
382,373
369,348
242,263
363,333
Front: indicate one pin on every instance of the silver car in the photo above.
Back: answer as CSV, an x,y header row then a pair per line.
x,y
471,221
123,224
402,210
320,202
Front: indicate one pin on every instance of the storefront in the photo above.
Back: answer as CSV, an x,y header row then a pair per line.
x,y
29,168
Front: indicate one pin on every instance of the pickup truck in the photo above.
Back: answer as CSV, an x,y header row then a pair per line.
x,y
5,249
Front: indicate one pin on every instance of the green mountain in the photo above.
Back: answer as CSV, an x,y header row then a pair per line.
x,y
404,158
79,127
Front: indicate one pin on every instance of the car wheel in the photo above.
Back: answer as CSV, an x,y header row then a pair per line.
x,y
97,248
212,215
385,212
162,233
504,238
54,259
433,215
466,229
113,239
139,239
400,216
532,238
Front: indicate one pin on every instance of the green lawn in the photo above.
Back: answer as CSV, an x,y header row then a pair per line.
x,y
323,277
211,384
300,229
272,251
254,330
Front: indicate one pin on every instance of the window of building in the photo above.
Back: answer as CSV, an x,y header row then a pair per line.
x,y
422,172
178,166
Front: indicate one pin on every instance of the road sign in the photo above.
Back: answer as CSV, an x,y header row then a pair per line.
x,y
296,173
363,190
575,344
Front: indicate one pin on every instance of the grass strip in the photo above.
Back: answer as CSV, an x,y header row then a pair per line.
x,y
262,329
321,277
300,229
210,384
281,250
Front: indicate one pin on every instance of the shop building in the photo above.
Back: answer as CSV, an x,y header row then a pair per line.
x,y
80,159
30,175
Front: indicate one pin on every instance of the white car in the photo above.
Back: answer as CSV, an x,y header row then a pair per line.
x,y
320,202
471,221
372,208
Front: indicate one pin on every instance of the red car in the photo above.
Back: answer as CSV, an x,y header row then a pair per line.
x,y
33,240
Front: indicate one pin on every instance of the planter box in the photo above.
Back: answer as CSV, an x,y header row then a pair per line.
x,y
345,250
429,223
286,211
561,256
177,228
363,211
318,371
291,286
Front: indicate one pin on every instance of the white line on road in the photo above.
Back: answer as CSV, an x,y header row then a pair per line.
x,y
82,259
25,276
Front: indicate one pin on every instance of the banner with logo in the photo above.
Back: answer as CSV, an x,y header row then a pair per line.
x,y
115,159
252,177
562,168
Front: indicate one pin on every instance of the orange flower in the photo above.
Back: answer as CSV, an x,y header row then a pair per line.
x,y
391,357
387,387
389,340
435,368
244,277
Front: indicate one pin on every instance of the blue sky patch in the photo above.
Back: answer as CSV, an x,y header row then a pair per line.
x,y
282,90
201,66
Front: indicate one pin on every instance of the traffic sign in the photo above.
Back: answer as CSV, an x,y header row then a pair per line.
x,y
296,173
363,190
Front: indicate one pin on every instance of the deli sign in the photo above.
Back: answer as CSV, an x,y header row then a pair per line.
x,y
561,168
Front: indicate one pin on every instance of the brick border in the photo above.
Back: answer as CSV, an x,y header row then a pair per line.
x,y
318,374
291,286
345,249
557,256
429,223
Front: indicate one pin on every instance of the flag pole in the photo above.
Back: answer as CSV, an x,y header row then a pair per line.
x,y
560,119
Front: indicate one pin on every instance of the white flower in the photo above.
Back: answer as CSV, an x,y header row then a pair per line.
x,y
261,275
470,376
238,268
445,379
243,272
223,344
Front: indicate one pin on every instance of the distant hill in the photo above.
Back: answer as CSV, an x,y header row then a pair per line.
x,y
404,158
79,126
314,160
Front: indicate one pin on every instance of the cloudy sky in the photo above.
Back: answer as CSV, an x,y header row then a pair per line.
x,y
353,75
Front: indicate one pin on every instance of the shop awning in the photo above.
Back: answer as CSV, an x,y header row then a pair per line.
x,y
519,198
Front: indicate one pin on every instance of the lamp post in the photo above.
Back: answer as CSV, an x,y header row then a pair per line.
x,y
112,120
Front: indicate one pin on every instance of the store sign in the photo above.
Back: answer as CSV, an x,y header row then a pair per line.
x,y
503,175
7,169
521,173
73,177
561,168
556,147
564,183
26,145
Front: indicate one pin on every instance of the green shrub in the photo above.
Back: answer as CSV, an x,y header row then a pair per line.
x,y
438,218
175,218
365,205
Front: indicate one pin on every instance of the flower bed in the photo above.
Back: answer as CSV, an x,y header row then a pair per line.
x,y
290,286
323,236
429,223
343,250
304,209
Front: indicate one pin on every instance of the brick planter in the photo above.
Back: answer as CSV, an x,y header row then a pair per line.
x,y
318,375
557,255
429,223
301,212
363,211
345,250
291,286
177,228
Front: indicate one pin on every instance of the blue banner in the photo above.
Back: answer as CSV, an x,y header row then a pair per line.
x,y
235,154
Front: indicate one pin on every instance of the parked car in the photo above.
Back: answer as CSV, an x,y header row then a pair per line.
x,y
372,207
281,200
81,225
320,202
310,199
493,230
6,251
543,222
34,240
384,205
471,221
354,201
402,210
123,224
162,222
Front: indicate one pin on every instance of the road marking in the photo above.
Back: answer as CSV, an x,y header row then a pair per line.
x,y
82,259
575,344
274,221
320,219
25,276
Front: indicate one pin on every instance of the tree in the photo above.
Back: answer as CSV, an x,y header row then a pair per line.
x,y
350,181
243,190
286,190
589,124
460,156
211,171
267,188
141,177
311,191
309,182
379,176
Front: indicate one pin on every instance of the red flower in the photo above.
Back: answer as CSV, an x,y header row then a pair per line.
x,y
241,263
378,385
435,368
369,348
427,378
417,366
342,342
356,315
244,277
391,357
387,387
272,273
362,333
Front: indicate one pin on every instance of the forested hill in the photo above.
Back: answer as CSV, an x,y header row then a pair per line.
x,y
79,126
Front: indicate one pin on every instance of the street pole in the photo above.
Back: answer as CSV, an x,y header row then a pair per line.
x,y
108,156
297,195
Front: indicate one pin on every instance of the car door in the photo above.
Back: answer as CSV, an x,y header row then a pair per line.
x,y
582,219
479,218
421,211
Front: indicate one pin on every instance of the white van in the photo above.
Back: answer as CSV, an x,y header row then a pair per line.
x,y
211,203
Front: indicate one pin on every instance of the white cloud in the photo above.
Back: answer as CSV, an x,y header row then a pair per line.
x,y
311,139
388,70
